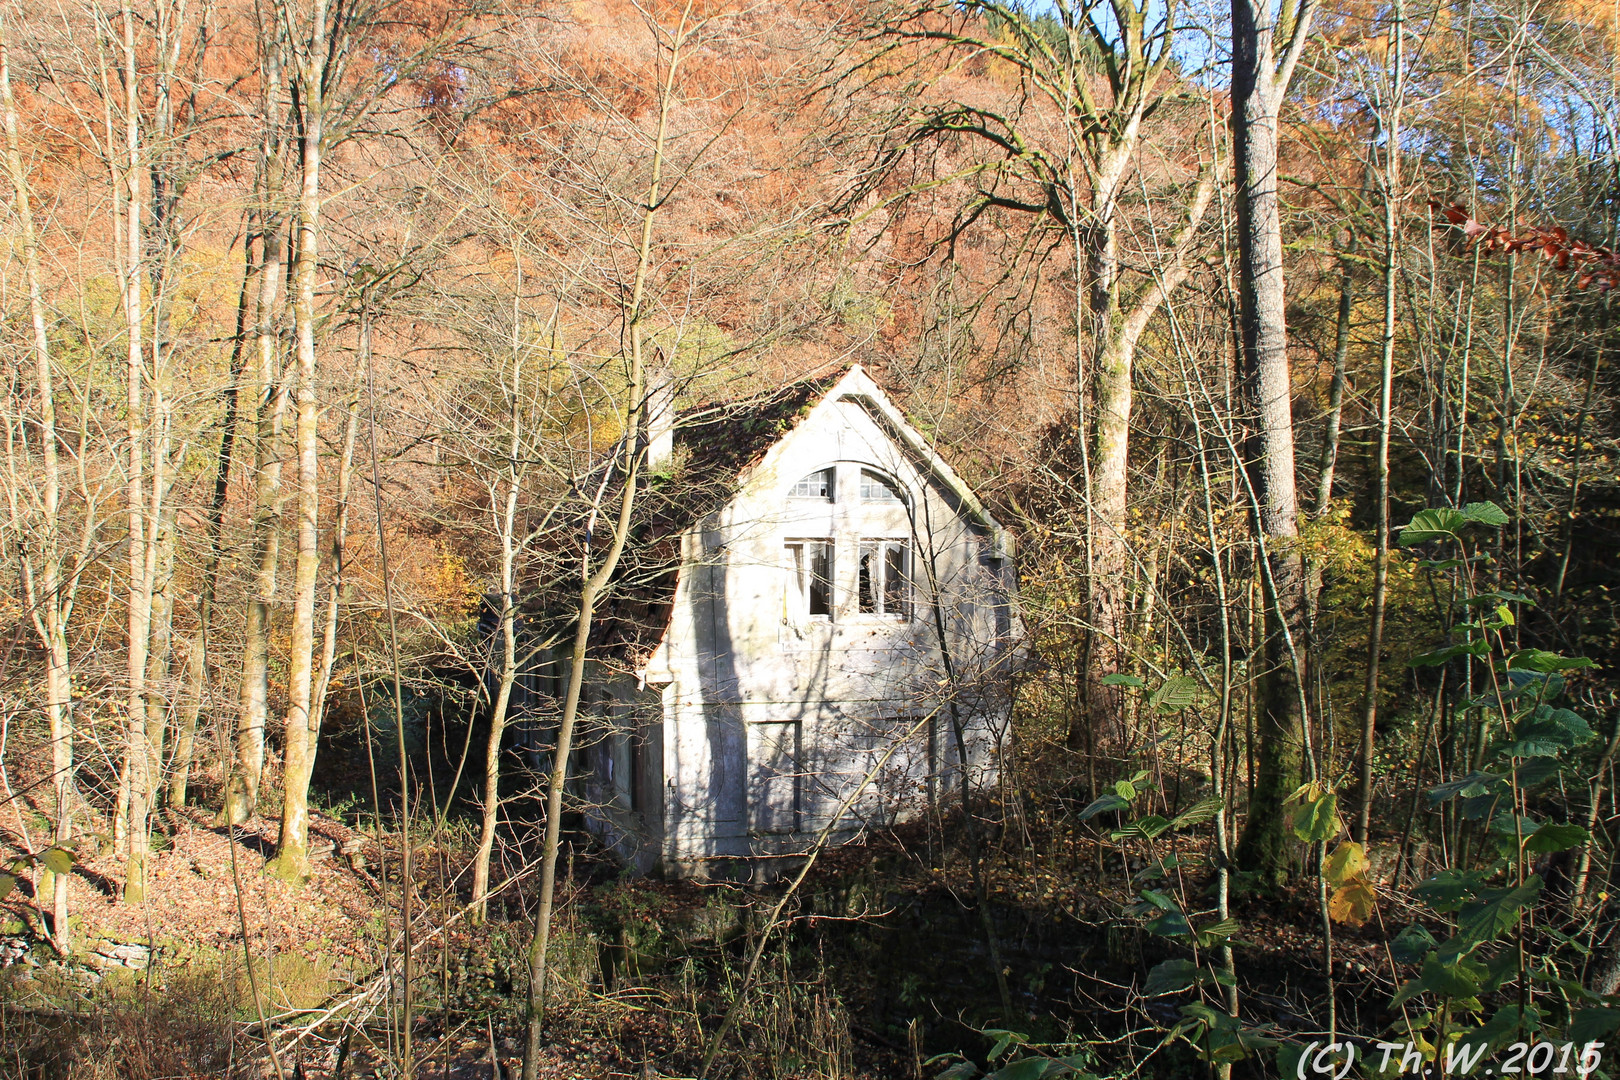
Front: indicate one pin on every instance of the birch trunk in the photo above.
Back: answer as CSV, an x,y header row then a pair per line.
x,y
43,586
1110,471
242,787
136,762
292,849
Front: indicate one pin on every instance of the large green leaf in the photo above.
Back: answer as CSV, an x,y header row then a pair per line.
x,y
1120,679
1475,783
57,860
1216,932
1172,977
1448,890
1440,523
1144,829
1169,924
1478,647
1176,694
1546,732
1493,912
1456,979
1544,661
1485,513
1552,836
1317,819
1592,1023
7,883
1411,944
1106,804
1197,814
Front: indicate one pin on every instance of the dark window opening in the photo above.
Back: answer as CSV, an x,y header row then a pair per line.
x,y
821,587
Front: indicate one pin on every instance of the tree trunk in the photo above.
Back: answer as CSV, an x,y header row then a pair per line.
x,y
1257,89
242,787
595,583
292,849
43,587
1386,369
505,521
140,581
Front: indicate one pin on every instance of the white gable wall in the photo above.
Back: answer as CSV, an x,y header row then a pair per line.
x,y
771,715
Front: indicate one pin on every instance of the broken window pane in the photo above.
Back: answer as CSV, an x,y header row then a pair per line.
x,y
894,580
821,577
868,594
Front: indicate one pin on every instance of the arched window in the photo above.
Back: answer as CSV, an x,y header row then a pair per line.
x,y
817,485
875,487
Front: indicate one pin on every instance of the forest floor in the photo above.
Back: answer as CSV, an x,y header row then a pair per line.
x,y
884,967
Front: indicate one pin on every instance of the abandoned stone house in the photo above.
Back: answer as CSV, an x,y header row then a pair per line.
x,y
834,632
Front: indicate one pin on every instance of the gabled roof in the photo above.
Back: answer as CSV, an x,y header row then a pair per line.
x,y
724,443
731,446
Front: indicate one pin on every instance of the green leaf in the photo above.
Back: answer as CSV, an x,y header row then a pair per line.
x,y
1542,660
1029,1069
1448,890
1495,911
1216,932
1169,924
1551,837
57,860
1479,647
1317,819
1485,513
1125,789
1121,679
7,883
1475,783
1411,944
1176,694
1546,732
1004,1039
1172,977
1457,980
1198,813
1159,901
1146,828
962,1070
1501,1028
1592,1023
1440,523
1106,804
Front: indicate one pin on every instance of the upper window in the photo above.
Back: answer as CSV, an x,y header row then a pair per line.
x,y
875,488
818,485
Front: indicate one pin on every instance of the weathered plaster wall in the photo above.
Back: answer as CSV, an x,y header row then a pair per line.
x,y
771,717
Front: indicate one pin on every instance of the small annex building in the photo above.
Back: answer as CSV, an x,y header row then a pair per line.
x,y
822,625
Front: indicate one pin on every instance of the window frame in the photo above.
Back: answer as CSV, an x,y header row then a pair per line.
x,y
801,567
878,595
895,494
831,495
